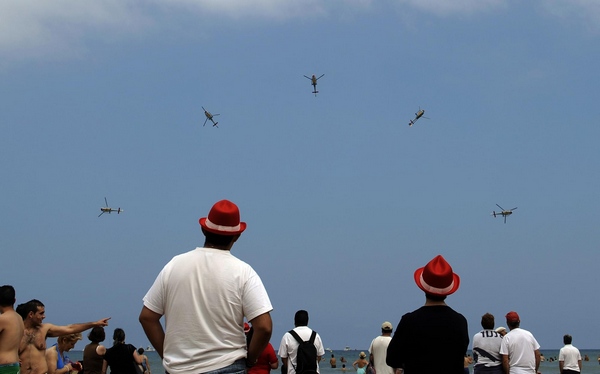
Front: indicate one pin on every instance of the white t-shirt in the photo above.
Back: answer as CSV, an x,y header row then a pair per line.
x,y
488,341
571,357
520,346
378,349
289,347
204,295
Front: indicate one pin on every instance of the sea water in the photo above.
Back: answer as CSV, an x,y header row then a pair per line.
x,y
546,367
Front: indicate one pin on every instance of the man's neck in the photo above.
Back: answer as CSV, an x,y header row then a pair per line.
x,y
30,325
223,248
429,302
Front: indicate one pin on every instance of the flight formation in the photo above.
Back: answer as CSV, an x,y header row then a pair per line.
x,y
313,81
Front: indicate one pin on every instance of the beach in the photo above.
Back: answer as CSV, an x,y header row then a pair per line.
x,y
546,367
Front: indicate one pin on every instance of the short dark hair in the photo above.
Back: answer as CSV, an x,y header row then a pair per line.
x,y
567,339
7,295
301,318
97,334
216,239
140,350
487,321
30,306
513,325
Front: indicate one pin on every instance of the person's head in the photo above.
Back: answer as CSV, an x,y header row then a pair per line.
x,y
7,296
437,279
512,320
222,227
501,330
140,351
67,342
97,334
32,311
362,355
487,321
386,328
118,336
567,339
301,318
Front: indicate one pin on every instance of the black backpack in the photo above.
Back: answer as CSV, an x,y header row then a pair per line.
x,y
306,359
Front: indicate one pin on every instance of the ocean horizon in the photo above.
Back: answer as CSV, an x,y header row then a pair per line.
x,y
546,367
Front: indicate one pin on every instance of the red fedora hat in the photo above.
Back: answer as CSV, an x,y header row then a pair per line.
x,y
437,278
223,219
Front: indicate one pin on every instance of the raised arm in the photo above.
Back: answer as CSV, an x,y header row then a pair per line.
x,y
54,331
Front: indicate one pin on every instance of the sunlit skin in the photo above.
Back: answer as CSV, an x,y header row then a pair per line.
x,y
63,345
32,350
11,333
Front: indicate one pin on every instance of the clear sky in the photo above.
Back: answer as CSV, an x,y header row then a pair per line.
x,y
342,198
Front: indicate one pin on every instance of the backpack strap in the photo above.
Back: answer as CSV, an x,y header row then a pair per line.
x,y
296,336
299,339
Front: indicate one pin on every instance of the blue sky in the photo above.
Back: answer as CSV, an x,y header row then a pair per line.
x,y
342,198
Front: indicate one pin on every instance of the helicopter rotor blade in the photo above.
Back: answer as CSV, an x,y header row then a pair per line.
x,y
320,76
205,121
106,201
499,207
307,77
513,209
101,214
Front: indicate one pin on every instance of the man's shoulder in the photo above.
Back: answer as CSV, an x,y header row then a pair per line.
x,y
302,328
304,332
10,317
381,338
46,327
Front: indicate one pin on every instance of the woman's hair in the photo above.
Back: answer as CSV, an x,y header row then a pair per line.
x,y
70,338
118,336
97,334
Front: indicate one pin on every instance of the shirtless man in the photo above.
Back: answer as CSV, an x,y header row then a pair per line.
x,y
11,332
32,350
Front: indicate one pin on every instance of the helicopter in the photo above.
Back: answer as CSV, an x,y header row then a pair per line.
x,y
107,209
210,117
314,80
505,213
418,115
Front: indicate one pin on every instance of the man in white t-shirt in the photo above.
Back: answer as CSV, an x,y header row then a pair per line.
x,y
569,357
519,349
486,348
378,349
204,295
288,349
